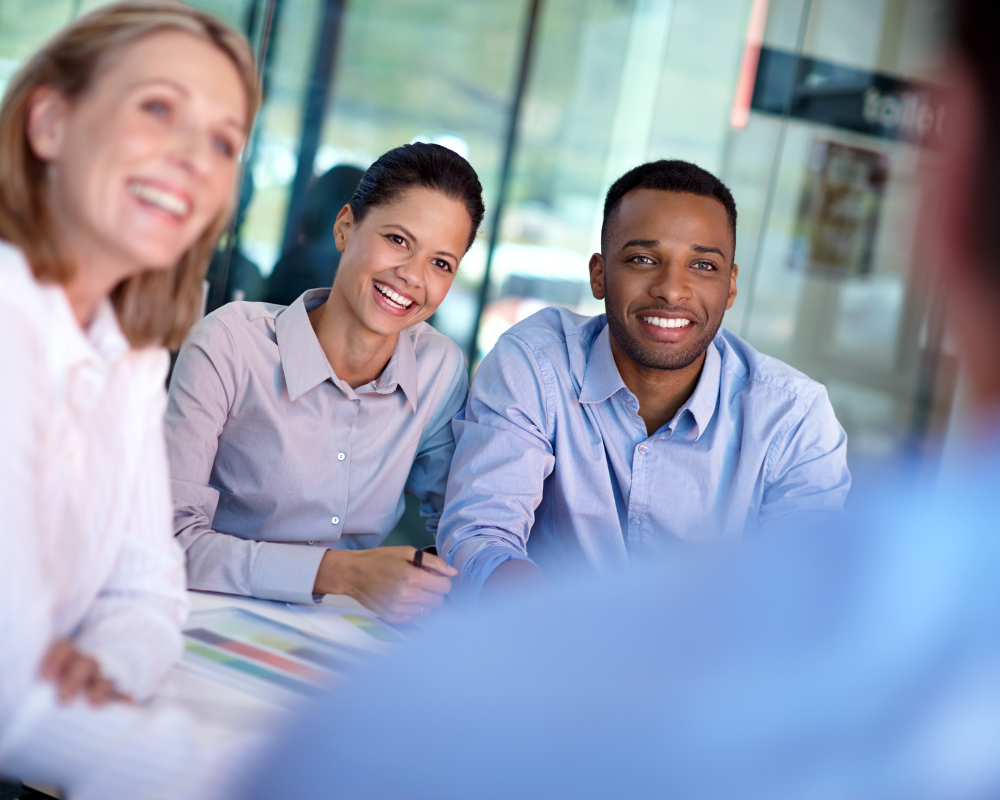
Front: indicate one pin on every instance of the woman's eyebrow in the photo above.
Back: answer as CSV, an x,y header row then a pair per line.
x,y
180,88
414,239
404,230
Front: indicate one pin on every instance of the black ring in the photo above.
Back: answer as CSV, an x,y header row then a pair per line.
x,y
418,558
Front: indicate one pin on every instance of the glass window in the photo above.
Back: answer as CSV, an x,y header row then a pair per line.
x,y
427,70
829,197
573,110
822,158
24,27
273,151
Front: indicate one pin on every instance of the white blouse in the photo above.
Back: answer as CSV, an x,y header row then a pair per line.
x,y
86,549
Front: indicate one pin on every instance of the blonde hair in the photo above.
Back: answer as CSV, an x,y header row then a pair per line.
x,y
156,306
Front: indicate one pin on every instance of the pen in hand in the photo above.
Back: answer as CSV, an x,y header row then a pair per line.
x,y
418,557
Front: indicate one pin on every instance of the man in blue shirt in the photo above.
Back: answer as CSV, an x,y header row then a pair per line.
x,y
592,442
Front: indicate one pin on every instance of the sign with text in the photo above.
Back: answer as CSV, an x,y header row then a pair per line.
x,y
846,97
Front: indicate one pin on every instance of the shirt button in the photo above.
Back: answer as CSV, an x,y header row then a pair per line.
x,y
310,542
335,520
341,456
643,449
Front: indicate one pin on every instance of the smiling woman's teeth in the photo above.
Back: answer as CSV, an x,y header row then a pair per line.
x,y
166,201
662,322
394,298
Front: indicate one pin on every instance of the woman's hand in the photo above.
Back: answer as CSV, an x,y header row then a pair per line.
x,y
384,580
74,672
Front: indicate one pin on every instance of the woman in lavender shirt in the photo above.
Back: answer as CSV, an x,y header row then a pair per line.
x,y
294,432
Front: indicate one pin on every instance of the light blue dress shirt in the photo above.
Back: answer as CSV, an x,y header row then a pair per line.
x,y
553,463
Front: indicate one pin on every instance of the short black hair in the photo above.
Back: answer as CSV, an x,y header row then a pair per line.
x,y
420,164
667,176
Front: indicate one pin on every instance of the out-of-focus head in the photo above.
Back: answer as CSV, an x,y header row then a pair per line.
x,y
967,233
119,143
666,271
407,227
325,197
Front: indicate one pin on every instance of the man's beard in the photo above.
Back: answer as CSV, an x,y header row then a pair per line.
x,y
666,356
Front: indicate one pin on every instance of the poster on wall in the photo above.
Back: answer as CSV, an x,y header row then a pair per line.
x,y
839,210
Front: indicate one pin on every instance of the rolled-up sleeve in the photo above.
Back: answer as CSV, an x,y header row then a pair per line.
x,y
202,390
503,454
806,469
428,478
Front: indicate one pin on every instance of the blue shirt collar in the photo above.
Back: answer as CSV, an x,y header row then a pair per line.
x,y
306,366
601,379
704,399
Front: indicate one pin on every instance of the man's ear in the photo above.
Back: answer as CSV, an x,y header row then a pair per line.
x,y
46,123
597,276
732,286
343,226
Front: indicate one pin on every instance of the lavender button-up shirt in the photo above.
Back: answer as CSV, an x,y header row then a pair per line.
x,y
274,459
553,463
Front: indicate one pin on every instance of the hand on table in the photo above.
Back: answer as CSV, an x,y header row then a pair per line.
x,y
74,672
384,580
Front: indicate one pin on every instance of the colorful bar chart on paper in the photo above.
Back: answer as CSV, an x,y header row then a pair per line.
x,y
374,628
257,655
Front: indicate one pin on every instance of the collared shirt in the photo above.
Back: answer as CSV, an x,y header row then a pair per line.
x,y
87,552
275,459
553,462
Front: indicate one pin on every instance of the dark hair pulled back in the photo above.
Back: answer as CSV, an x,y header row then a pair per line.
x,y
420,164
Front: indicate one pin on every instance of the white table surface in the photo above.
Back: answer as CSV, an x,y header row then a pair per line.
x,y
230,708
216,703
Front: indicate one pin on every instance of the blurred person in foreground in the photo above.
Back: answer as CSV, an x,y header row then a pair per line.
x,y
119,144
861,660
589,442
312,261
293,432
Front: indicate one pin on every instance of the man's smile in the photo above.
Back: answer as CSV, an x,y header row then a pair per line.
x,y
667,322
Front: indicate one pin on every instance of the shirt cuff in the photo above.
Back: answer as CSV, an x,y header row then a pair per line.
x,y
286,572
478,568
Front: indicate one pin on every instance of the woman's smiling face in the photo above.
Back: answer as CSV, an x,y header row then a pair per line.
x,y
399,261
145,160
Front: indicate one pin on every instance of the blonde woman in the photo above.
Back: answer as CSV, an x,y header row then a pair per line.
x,y
119,144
